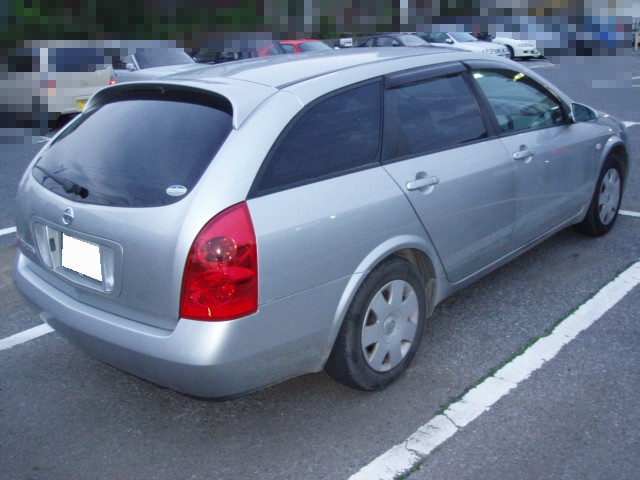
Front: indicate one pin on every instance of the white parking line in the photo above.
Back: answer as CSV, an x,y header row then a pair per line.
x,y
7,231
400,459
25,336
629,214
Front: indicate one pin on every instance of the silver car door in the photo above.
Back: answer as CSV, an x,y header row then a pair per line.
x,y
460,181
553,159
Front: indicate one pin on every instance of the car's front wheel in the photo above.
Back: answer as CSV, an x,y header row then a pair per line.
x,y
382,329
605,203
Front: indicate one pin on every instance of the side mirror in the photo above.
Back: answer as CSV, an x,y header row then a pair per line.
x,y
582,113
449,41
130,67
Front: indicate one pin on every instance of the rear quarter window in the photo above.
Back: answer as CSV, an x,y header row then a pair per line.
x,y
134,153
333,136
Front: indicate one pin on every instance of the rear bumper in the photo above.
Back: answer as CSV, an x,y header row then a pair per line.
x,y
64,104
528,52
205,359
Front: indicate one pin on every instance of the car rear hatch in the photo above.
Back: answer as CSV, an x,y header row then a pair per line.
x,y
105,204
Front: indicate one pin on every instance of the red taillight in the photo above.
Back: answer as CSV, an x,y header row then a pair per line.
x,y
112,81
221,275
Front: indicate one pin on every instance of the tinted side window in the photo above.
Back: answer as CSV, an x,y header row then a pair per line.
x,y
438,37
518,102
338,134
432,115
386,42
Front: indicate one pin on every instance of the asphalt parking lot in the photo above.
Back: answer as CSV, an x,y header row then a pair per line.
x,y
572,415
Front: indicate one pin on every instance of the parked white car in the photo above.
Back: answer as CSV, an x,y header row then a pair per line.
x,y
525,49
463,41
52,80
69,76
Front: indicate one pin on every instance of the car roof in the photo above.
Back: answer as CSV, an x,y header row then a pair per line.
x,y
386,34
248,83
280,71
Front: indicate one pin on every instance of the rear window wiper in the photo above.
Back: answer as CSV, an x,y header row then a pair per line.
x,y
66,184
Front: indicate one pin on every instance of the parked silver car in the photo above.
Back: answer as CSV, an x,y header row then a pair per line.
x,y
148,63
244,223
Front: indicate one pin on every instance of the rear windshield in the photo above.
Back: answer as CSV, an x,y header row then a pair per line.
x,y
76,60
134,153
160,57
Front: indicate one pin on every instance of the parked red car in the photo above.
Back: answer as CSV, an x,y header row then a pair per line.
x,y
294,46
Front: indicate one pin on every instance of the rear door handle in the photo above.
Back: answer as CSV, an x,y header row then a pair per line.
x,y
522,154
424,182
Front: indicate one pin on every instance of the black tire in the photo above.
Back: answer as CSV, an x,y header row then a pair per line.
x,y
382,328
511,54
605,202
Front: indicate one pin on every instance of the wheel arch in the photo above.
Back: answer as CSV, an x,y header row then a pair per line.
x,y
619,150
418,252
425,268
512,52
592,222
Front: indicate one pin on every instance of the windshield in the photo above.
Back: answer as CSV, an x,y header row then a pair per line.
x,y
314,47
159,57
412,41
463,37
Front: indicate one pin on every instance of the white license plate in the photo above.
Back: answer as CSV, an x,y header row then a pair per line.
x,y
81,257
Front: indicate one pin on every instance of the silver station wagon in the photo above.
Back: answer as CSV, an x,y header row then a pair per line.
x,y
243,223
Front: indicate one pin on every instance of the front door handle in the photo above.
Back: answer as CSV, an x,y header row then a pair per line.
x,y
423,182
522,154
